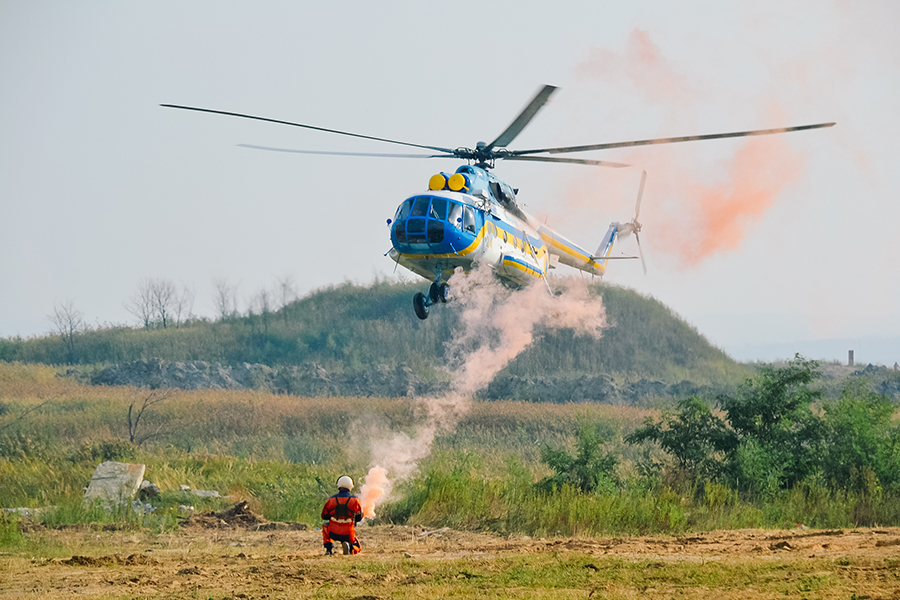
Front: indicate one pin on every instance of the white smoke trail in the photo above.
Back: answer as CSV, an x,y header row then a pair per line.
x,y
495,326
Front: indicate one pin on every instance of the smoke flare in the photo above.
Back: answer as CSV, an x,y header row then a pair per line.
x,y
495,326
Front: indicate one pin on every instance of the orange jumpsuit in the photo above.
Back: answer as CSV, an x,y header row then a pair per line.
x,y
343,512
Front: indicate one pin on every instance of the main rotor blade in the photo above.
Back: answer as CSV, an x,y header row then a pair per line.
x,y
366,137
637,205
516,127
574,161
689,138
379,154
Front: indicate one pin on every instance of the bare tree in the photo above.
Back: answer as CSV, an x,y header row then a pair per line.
x,y
134,416
183,305
141,304
157,303
163,294
225,297
69,322
263,303
287,294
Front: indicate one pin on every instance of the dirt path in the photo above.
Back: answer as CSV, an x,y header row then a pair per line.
x,y
402,562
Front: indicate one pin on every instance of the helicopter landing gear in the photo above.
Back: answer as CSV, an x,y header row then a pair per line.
x,y
439,293
436,293
420,305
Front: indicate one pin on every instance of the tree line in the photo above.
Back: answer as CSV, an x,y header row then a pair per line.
x,y
775,434
354,328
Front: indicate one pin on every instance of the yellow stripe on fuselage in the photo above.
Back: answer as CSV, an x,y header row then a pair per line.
x,y
550,239
521,267
467,250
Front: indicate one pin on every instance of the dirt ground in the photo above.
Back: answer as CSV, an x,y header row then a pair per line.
x,y
221,560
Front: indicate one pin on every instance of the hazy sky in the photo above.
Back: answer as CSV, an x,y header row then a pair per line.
x,y
756,244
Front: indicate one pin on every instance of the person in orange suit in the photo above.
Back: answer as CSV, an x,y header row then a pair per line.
x,y
341,512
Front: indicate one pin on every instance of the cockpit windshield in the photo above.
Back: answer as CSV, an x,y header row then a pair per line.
x,y
438,209
420,208
403,211
421,220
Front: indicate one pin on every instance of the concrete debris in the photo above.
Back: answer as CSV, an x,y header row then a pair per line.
x,y
115,482
186,489
206,493
148,490
140,508
27,513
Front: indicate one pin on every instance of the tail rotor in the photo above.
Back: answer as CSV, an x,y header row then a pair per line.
x,y
634,226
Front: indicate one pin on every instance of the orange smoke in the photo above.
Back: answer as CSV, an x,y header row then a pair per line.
x,y
702,220
693,207
372,490
495,326
642,64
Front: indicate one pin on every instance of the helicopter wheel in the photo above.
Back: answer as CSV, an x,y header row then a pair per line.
x,y
434,293
420,305
444,292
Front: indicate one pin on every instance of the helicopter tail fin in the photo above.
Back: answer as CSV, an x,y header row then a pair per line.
x,y
609,238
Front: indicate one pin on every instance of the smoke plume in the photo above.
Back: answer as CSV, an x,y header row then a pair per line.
x,y
695,205
495,325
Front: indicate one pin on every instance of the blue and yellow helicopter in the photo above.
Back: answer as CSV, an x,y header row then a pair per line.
x,y
471,217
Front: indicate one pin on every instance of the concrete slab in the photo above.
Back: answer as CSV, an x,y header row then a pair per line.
x,y
115,482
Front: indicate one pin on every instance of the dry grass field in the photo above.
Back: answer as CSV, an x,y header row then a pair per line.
x,y
228,561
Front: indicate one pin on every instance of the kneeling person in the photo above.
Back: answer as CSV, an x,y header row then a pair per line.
x,y
342,512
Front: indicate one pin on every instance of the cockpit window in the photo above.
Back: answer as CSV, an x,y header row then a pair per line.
x,y
438,209
469,219
455,214
420,208
403,211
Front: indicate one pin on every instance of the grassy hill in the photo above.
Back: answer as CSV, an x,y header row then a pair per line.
x,y
351,329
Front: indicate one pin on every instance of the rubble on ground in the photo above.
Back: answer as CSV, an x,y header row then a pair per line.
x,y
238,515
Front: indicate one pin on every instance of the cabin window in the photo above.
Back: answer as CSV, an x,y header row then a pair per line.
x,y
455,214
400,230
469,219
495,190
438,209
415,230
435,231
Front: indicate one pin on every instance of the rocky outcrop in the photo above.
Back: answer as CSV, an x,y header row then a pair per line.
x,y
602,389
309,379
312,379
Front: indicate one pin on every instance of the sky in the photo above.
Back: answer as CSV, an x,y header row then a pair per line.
x,y
766,246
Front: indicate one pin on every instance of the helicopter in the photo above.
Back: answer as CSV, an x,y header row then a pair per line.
x,y
470,217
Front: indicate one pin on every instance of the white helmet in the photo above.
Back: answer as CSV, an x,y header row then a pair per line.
x,y
345,482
